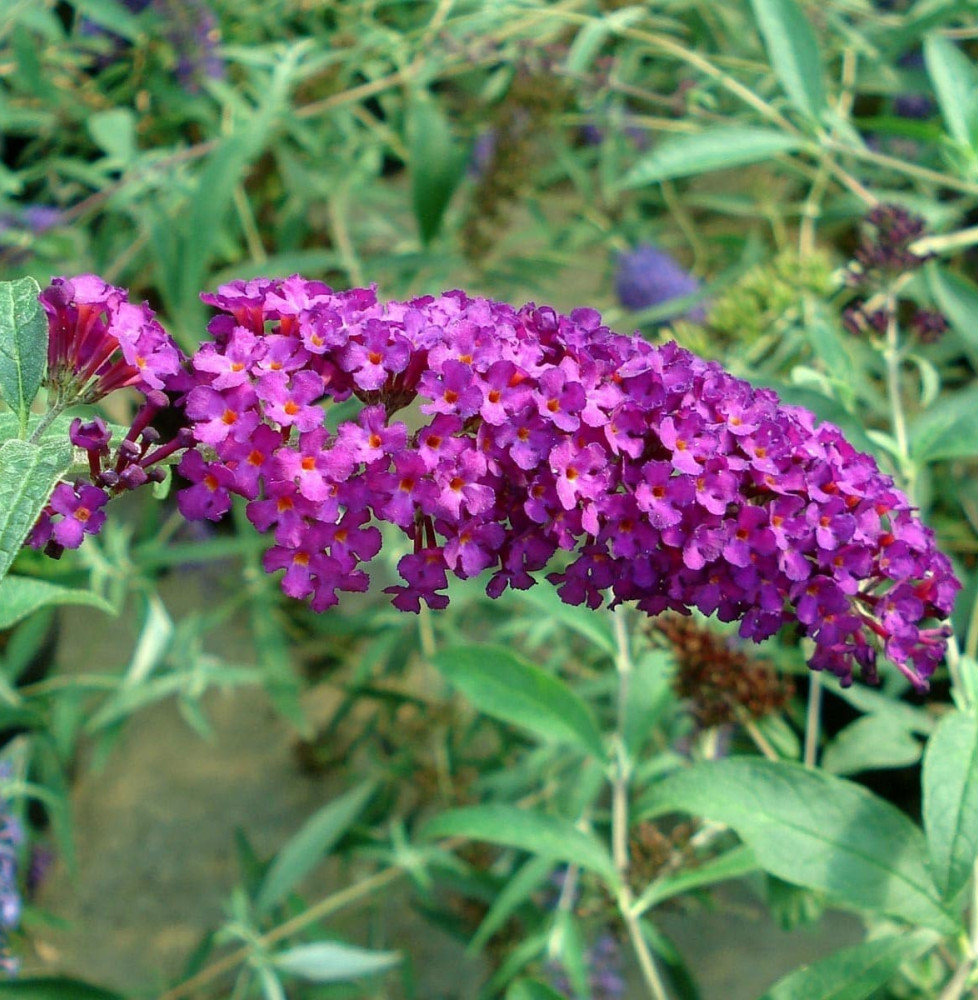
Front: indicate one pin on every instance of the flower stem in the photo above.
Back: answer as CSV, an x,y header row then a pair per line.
x,y
891,355
813,719
621,777
337,901
49,418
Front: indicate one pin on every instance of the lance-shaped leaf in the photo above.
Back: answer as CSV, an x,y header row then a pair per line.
x,y
332,962
311,844
437,163
54,988
792,50
955,81
21,596
23,345
502,685
951,801
715,149
537,833
853,973
814,830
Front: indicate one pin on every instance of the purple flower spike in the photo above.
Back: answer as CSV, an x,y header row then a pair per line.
x,y
667,481
649,277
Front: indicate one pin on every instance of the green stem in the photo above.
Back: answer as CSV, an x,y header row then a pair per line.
x,y
898,420
813,718
621,778
49,418
323,908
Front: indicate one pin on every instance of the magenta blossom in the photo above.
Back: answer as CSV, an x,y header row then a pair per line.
x,y
660,478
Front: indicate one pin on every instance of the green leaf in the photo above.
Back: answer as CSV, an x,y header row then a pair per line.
x,y
792,50
111,14
538,833
501,685
949,429
55,988
815,830
23,345
271,985
310,845
272,646
114,132
437,164
28,474
650,695
955,81
733,864
516,891
853,973
874,741
21,596
957,298
331,962
596,628
592,37
184,251
719,148
950,781
532,989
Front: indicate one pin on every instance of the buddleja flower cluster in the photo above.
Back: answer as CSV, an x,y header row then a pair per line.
x,y
498,439
99,342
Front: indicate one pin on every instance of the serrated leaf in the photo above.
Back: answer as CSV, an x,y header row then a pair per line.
x,y
28,474
502,685
815,830
955,81
792,50
437,164
853,973
21,596
331,962
950,781
537,833
23,345
715,149
310,845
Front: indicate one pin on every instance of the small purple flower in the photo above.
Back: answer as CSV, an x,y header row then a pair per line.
x,y
209,496
289,401
81,513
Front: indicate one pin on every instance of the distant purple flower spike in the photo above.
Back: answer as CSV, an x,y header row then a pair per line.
x,y
648,276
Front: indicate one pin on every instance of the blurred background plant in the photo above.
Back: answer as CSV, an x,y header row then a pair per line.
x,y
789,188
